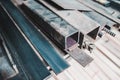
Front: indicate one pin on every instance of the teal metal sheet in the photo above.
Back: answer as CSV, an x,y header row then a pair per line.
x,y
46,50
32,66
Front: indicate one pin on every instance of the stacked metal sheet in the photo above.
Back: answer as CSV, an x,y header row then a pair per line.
x,y
85,25
30,64
51,24
66,4
31,34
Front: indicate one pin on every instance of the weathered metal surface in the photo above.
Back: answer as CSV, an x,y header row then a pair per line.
x,y
58,24
100,19
6,70
115,4
103,2
100,11
80,21
50,55
72,4
55,27
30,64
81,57
85,25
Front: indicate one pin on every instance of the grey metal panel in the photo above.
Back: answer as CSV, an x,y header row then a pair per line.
x,y
80,21
83,23
44,27
57,23
71,4
99,18
81,57
100,11
51,23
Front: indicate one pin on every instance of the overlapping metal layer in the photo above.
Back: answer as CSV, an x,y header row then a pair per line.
x,y
31,64
50,55
51,24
